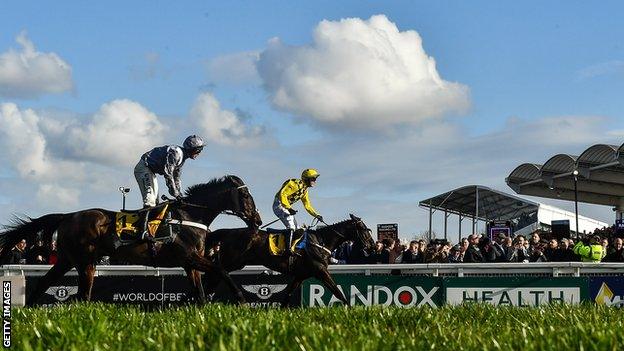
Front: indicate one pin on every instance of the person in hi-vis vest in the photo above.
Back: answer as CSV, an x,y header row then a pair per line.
x,y
594,252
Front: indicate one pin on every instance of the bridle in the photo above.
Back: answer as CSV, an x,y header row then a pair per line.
x,y
328,251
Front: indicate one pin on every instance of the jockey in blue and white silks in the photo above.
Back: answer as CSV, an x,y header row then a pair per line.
x,y
167,161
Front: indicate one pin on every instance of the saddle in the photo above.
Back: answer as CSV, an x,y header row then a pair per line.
x,y
129,224
277,240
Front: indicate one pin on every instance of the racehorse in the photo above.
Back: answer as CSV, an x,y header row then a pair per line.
x,y
242,246
85,236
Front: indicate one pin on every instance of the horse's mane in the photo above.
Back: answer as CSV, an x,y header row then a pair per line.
x,y
337,224
212,187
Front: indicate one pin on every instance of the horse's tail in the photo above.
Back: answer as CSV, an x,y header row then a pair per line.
x,y
28,228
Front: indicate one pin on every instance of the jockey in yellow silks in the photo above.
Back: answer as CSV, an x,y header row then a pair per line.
x,y
292,191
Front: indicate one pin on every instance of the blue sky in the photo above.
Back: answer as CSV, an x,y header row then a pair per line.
x,y
519,69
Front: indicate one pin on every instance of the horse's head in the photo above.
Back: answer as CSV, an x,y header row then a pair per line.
x,y
228,193
358,232
243,204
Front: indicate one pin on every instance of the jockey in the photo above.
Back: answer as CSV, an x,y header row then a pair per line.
x,y
292,191
168,161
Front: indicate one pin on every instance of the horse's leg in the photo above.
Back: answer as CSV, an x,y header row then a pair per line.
x,y
86,272
195,279
202,264
292,286
59,269
213,280
323,275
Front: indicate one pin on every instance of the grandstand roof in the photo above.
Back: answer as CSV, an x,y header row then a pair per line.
x,y
492,204
600,180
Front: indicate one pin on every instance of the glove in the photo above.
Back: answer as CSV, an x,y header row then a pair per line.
x,y
292,211
320,218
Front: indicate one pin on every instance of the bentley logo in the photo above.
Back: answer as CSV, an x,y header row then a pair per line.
x,y
62,293
264,291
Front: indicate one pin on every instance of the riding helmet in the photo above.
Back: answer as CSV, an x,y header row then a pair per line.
x,y
193,144
310,174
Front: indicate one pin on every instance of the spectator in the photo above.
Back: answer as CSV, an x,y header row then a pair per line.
x,y
455,255
422,246
412,254
37,254
534,241
537,252
18,254
605,245
590,251
509,248
565,251
388,255
487,250
519,253
375,257
499,247
437,252
473,253
552,252
399,248
52,258
616,253
463,247
213,252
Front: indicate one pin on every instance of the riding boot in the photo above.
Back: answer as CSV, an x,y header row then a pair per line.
x,y
146,235
289,238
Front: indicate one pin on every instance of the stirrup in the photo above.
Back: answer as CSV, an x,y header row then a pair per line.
x,y
147,237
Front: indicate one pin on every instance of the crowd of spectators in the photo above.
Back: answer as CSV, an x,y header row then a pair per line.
x,y
36,253
481,249
473,249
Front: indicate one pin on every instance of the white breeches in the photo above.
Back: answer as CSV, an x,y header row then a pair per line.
x,y
147,183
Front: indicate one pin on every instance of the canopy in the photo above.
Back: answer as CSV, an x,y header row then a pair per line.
x,y
600,178
481,203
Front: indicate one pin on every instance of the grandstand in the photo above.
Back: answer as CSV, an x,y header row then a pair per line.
x,y
599,177
480,203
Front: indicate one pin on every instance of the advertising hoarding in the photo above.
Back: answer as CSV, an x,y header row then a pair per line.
x,y
515,291
406,291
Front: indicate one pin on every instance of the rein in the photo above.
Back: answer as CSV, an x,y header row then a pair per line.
x,y
328,227
328,251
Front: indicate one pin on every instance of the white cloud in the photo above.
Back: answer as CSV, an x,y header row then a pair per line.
x,y
614,67
235,68
29,73
52,153
26,146
359,74
57,196
221,126
117,134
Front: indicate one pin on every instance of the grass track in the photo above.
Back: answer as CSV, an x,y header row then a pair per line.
x,y
97,326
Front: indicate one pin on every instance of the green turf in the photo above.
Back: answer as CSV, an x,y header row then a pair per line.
x,y
97,326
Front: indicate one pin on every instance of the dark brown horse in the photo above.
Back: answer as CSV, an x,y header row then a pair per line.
x,y
85,236
242,246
